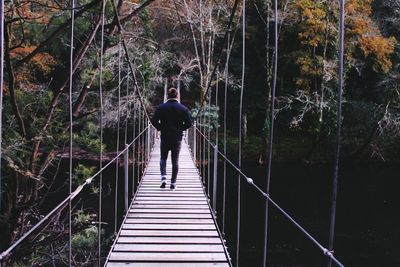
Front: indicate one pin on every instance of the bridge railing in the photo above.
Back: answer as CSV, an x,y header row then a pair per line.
x,y
140,146
198,140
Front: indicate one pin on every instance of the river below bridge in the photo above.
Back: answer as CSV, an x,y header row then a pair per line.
x,y
367,225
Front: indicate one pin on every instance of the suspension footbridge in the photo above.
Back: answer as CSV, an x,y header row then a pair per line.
x,y
169,228
163,227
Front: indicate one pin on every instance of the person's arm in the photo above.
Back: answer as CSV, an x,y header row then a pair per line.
x,y
187,121
156,120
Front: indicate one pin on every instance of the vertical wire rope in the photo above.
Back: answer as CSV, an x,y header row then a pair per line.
x,y
271,134
1,90
226,72
128,111
101,128
71,60
215,176
208,143
134,145
204,149
143,147
240,130
338,131
117,140
139,144
127,107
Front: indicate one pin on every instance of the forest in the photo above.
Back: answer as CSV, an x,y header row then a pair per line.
x,y
177,42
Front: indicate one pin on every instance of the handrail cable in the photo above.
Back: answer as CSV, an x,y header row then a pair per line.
x,y
338,128
71,74
250,181
271,131
240,131
232,15
62,205
136,86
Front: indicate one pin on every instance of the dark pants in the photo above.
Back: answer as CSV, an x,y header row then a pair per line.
x,y
175,148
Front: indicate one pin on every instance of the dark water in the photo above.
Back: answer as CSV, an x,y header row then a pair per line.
x,y
367,222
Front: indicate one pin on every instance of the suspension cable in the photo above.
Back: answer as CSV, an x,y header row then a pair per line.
x,y
101,128
226,72
135,83
228,27
134,147
208,145
71,73
64,203
1,89
117,140
240,130
127,108
338,129
250,181
271,133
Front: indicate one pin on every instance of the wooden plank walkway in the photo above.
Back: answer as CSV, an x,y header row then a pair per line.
x,y
169,228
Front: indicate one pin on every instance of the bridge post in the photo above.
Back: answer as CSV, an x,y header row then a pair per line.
x,y
126,174
215,179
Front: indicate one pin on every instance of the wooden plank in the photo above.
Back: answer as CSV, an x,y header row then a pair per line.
x,y
166,206
176,192
168,240
166,228
169,198
179,186
188,233
169,215
170,221
168,264
136,226
162,202
169,248
171,257
169,195
193,211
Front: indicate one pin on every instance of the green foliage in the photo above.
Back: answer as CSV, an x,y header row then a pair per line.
x,y
81,173
88,138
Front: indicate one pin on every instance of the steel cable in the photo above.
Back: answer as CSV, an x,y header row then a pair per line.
x,y
250,181
117,141
135,83
271,133
70,91
1,89
64,203
338,129
232,15
240,130
101,128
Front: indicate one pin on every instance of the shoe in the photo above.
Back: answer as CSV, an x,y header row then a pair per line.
x,y
163,183
172,186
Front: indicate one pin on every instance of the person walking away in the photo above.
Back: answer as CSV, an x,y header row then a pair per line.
x,y
171,118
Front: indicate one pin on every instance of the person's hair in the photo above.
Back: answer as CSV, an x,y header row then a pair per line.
x,y
172,93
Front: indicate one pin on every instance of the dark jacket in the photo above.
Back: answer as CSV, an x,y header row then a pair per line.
x,y
171,118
